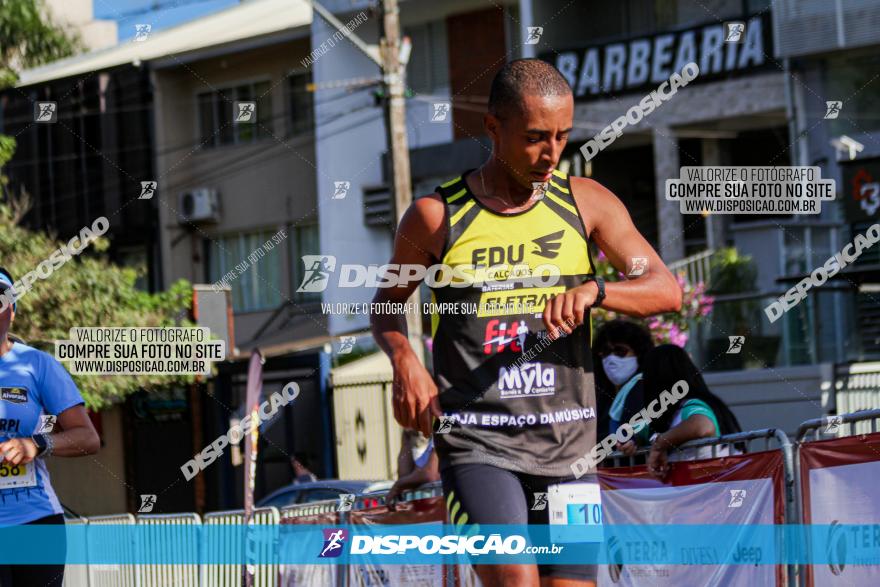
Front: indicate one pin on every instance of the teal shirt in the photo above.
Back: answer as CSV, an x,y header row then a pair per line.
x,y
688,409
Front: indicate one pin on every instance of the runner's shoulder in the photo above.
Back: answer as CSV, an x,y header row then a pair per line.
x,y
594,200
29,358
425,221
589,190
26,351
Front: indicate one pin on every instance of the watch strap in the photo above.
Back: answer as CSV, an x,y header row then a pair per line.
x,y
44,444
600,283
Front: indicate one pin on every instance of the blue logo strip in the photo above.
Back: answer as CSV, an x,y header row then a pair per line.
x,y
835,544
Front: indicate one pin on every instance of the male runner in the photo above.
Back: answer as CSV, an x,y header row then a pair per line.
x,y
524,410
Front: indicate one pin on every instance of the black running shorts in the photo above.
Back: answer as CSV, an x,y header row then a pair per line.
x,y
478,493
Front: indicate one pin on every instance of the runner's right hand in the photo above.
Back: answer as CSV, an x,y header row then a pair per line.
x,y
415,395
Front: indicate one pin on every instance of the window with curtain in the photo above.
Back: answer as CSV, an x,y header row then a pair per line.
x,y
251,268
305,242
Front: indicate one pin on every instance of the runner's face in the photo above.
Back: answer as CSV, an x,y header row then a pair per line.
x,y
531,144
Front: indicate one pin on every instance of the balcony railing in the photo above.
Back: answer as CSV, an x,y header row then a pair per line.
x,y
696,268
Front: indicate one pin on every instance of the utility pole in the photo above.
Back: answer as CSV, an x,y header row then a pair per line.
x,y
391,59
398,145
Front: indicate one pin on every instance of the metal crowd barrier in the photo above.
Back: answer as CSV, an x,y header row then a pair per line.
x,y
833,424
76,575
309,509
222,575
160,545
735,441
209,575
115,575
745,439
843,425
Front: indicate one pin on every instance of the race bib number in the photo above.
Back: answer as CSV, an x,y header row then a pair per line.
x,y
575,505
17,475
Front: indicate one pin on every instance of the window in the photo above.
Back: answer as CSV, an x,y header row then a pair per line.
x,y
428,69
250,267
216,126
302,114
305,242
847,76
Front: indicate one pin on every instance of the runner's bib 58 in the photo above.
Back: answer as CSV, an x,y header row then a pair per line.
x,y
17,475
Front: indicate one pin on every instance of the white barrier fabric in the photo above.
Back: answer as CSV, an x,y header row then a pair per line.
x,y
698,492
307,575
423,511
841,487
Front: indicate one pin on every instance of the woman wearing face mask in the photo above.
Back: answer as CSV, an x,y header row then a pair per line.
x,y
620,347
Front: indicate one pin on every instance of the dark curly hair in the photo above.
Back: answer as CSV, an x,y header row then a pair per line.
x,y
667,364
617,331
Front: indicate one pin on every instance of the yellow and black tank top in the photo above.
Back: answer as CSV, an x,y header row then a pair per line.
x,y
516,400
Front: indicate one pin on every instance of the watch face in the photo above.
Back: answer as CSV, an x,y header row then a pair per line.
x,y
40,442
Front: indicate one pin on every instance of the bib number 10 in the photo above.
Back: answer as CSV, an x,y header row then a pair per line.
x,y
586,513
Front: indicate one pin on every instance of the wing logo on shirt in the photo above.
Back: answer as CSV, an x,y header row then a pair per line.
x,y
15,395
548,245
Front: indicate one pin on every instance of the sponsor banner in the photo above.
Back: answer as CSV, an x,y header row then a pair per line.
x,y
738,493
417,512
841,495
304,574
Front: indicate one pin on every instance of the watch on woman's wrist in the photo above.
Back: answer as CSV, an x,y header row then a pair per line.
x,y
600,284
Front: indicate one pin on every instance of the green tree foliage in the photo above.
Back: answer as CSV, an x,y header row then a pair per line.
x,y
86,291
28,38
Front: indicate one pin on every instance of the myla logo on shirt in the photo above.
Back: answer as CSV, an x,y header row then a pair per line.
x,y
529,379
15,395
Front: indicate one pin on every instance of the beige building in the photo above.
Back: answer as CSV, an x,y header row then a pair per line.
x,y
78,17
227,187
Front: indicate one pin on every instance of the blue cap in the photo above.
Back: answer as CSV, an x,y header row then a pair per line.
x,y
5,284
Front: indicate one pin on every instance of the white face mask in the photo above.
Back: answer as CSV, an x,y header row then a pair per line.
x,y
620,369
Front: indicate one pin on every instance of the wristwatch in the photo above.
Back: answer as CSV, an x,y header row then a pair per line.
x,y
600,283
44,444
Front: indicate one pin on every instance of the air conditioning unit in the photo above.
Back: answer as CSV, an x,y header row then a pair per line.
x,y
198,205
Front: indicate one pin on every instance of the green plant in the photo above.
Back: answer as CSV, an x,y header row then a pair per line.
x,y
86,291
672,327
733,273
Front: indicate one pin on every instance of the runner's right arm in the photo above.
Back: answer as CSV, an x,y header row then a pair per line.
x,y
418,241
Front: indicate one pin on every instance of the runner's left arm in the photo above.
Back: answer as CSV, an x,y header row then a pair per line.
x,y
77,438
653,292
